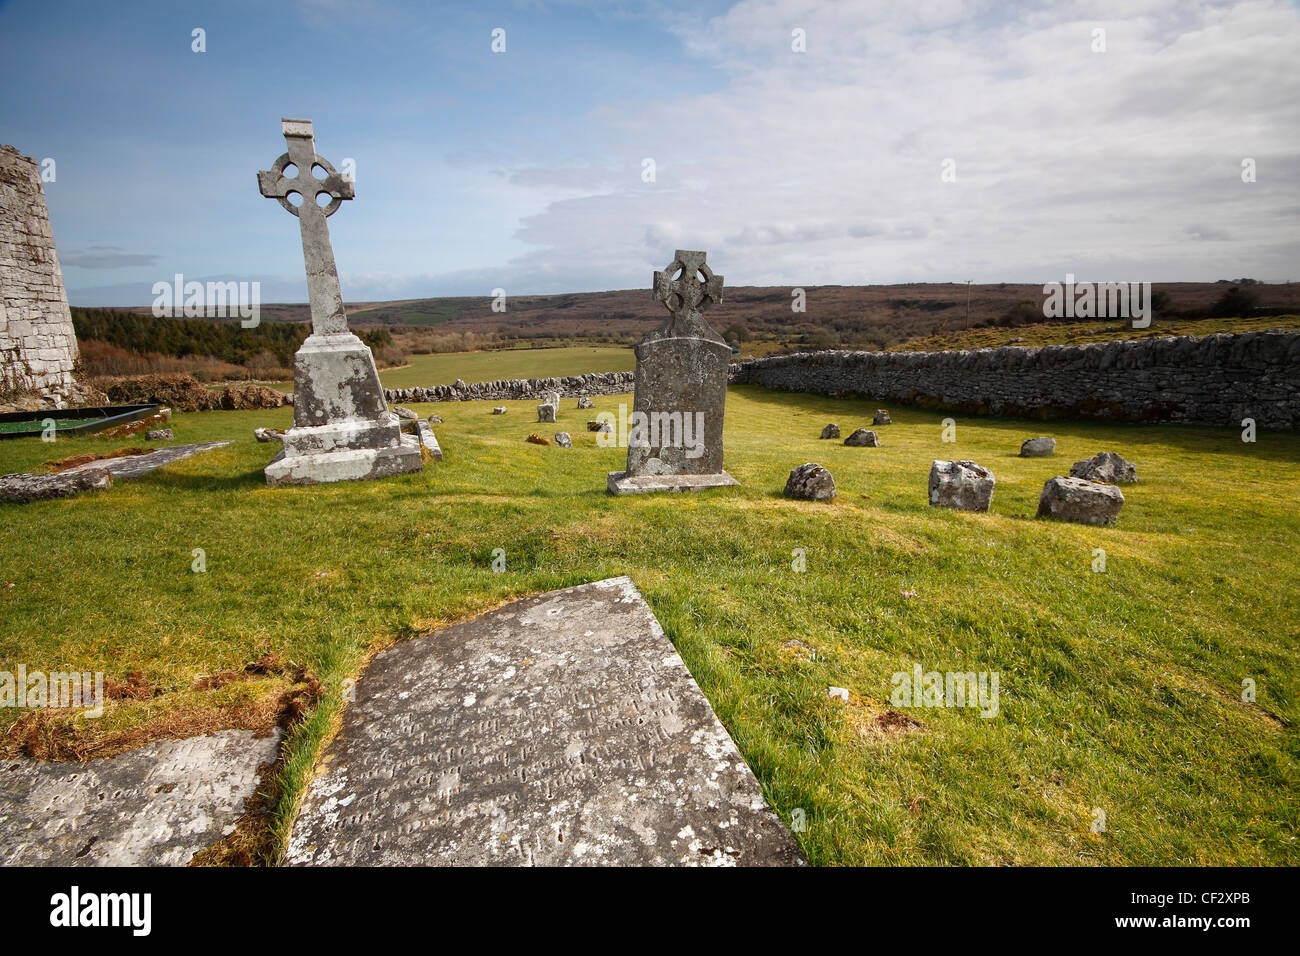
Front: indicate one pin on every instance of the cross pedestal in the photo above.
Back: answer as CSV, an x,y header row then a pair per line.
x,y
342,429
675,434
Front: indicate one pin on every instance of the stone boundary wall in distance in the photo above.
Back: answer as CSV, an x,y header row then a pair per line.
x,y
1208,380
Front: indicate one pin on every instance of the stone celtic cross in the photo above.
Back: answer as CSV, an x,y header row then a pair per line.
x,y
327,316
686,297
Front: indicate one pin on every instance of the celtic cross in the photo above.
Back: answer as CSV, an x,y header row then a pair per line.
x,y
686,297
327,316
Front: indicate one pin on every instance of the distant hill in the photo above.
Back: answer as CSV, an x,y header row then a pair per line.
x,y
876,316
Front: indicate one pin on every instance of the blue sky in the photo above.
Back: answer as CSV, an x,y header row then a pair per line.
x,y
522,169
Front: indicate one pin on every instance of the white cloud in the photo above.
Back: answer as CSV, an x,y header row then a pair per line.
x,y
825,166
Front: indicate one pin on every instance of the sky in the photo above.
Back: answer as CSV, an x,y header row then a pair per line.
x,y
797,142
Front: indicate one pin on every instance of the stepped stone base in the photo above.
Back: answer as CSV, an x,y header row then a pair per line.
x,y
352,464
621,483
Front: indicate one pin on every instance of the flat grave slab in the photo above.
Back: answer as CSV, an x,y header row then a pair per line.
x,y
562,729
156,805
133,466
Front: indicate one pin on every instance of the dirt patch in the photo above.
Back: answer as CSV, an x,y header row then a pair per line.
x,y
872,721
63,734
57,465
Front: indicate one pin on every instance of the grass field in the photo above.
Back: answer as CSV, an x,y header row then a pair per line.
x,y
1120,692
443,369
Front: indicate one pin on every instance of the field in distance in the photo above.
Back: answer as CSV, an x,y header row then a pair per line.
x,y
445,368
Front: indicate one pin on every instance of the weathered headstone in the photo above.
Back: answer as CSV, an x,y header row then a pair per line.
x,y
1080,501
963,485
343,430
560,729
156,805
552,398
811,482
585,402
675,435
564,439
546,412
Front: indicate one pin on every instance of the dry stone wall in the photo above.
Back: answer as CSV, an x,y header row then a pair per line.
x,y
572,386
1208,380
38,346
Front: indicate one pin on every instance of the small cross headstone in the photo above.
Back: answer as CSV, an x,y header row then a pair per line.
x,y
675,432
343,430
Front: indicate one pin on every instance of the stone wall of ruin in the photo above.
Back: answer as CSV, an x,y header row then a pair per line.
x,y
37,344
1208,380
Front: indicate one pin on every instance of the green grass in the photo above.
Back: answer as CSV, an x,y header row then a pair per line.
x,y
1118,691
445,368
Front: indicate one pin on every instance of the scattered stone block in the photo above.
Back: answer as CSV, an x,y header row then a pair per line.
x,y
424,431
810,482
268,434
405,413
159,434
881,417
1106,467
434,419
563,439
831,431
1080,501
157,805
24,488
1041,447
599,427
546,412
538,439
963,485
499,410
585,402
562,729
863,438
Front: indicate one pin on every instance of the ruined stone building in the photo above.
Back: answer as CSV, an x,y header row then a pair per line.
x,y
37,344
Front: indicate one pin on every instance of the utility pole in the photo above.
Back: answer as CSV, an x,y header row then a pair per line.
x,y
968,301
